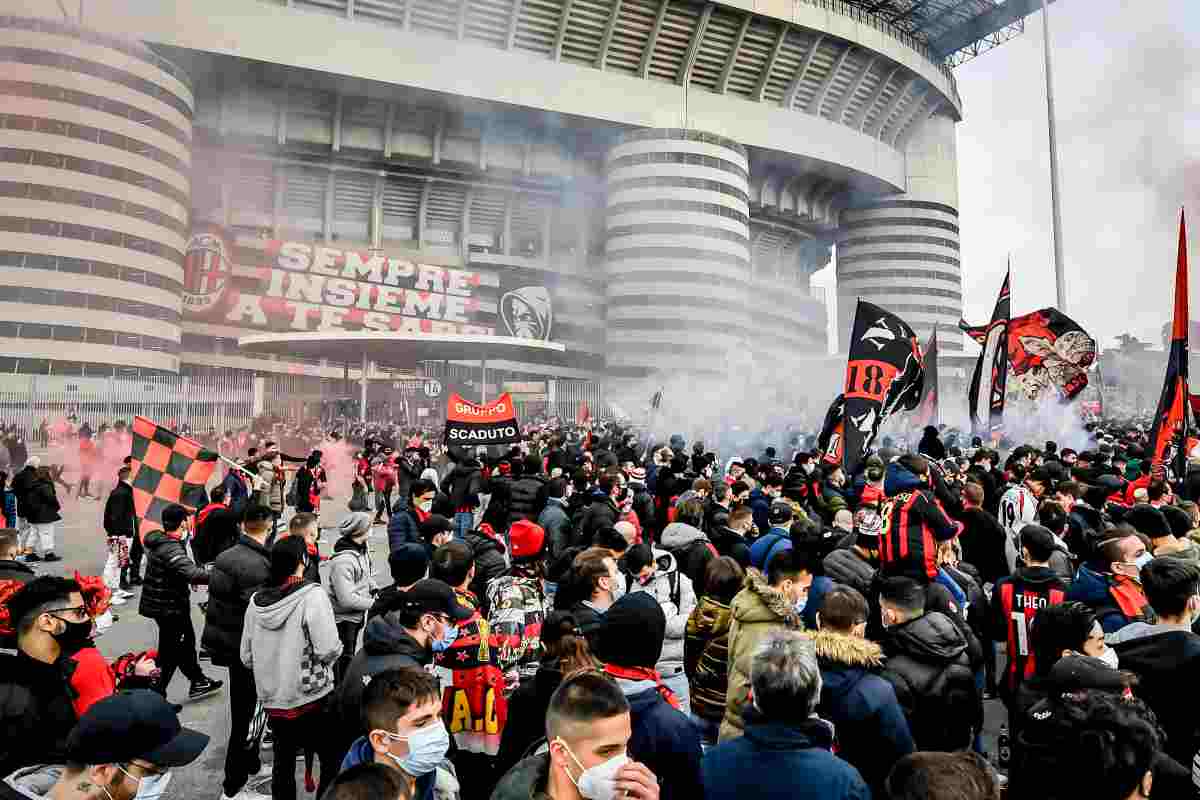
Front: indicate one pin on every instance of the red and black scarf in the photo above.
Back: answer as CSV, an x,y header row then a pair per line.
x,y
643,674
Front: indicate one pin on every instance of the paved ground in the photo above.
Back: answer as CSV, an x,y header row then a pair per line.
x,y
81,543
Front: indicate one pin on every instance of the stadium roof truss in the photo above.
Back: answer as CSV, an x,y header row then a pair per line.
x,y
954,30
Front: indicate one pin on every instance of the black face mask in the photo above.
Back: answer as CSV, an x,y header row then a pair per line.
x,y
75,635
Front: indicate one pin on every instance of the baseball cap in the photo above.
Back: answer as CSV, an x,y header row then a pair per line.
x,y
136,724
434,597
780,512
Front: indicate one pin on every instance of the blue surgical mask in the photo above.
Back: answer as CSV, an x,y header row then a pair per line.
x,y
1143,560
447,639
426,748
150,787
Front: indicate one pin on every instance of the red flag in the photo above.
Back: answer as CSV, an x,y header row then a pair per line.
x,y
1170,422
166,469
584,414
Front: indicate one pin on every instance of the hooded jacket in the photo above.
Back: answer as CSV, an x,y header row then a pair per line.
x,y
170,574
386,645
756,610
692,550
361,752
403,527
872,732
706,658
601,512
1167,659
236,575
290,640
348,580
774,761
675,594
1096,591
912,528
929,666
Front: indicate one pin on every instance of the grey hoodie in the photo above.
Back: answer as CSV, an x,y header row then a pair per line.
x,y
348,580
290,640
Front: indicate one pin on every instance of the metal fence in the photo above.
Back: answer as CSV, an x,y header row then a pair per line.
x,y
220,400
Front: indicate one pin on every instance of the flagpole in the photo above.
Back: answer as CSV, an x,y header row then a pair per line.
x,y
1055,204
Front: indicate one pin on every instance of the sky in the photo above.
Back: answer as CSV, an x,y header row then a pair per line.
x,y
1127,98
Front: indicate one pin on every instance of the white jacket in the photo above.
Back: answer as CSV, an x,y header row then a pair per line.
x,y
667,586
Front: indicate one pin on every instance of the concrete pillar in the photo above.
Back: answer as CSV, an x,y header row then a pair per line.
x,y
901,252
677,252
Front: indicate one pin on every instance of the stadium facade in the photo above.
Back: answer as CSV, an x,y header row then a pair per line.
x,y
649,182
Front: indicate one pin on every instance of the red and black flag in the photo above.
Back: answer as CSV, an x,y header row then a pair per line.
x,y
927,407
884,373
167,469
986,397
1048,348
831,440
1170,423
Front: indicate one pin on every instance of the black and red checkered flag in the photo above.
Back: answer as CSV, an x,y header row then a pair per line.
x,y
166,469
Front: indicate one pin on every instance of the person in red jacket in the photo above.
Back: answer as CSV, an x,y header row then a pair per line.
x,y
914,524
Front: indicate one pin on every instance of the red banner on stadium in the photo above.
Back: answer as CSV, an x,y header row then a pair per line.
x,y
471,423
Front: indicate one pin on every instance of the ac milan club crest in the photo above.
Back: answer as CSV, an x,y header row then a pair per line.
x,y
206,271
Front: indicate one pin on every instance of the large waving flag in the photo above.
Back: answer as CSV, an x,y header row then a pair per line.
x,y
1168,437
986,396
166,469
884,373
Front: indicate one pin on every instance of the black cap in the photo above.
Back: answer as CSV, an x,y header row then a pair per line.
x,y
434,597
138,724
780,512
1039,475
409,563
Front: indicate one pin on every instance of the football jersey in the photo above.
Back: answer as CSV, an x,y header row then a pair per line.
x,y
1016,600
1018,508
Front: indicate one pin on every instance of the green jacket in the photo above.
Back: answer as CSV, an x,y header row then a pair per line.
x,y
757,609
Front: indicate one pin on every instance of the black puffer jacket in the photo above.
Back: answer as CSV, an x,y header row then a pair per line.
x,y
237,574
730,543
386,645
463,484
119,514
41,503
929,666
36,711
851,569
22,482
523,498
170,575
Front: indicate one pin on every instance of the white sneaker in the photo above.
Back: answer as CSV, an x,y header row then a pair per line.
x,y
116,600
122,593
246,794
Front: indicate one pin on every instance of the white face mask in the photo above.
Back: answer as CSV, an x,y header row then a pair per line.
x,y
598,782
1109,657
425,505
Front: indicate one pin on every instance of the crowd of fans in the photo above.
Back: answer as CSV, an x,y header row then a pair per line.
x,y
592,615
